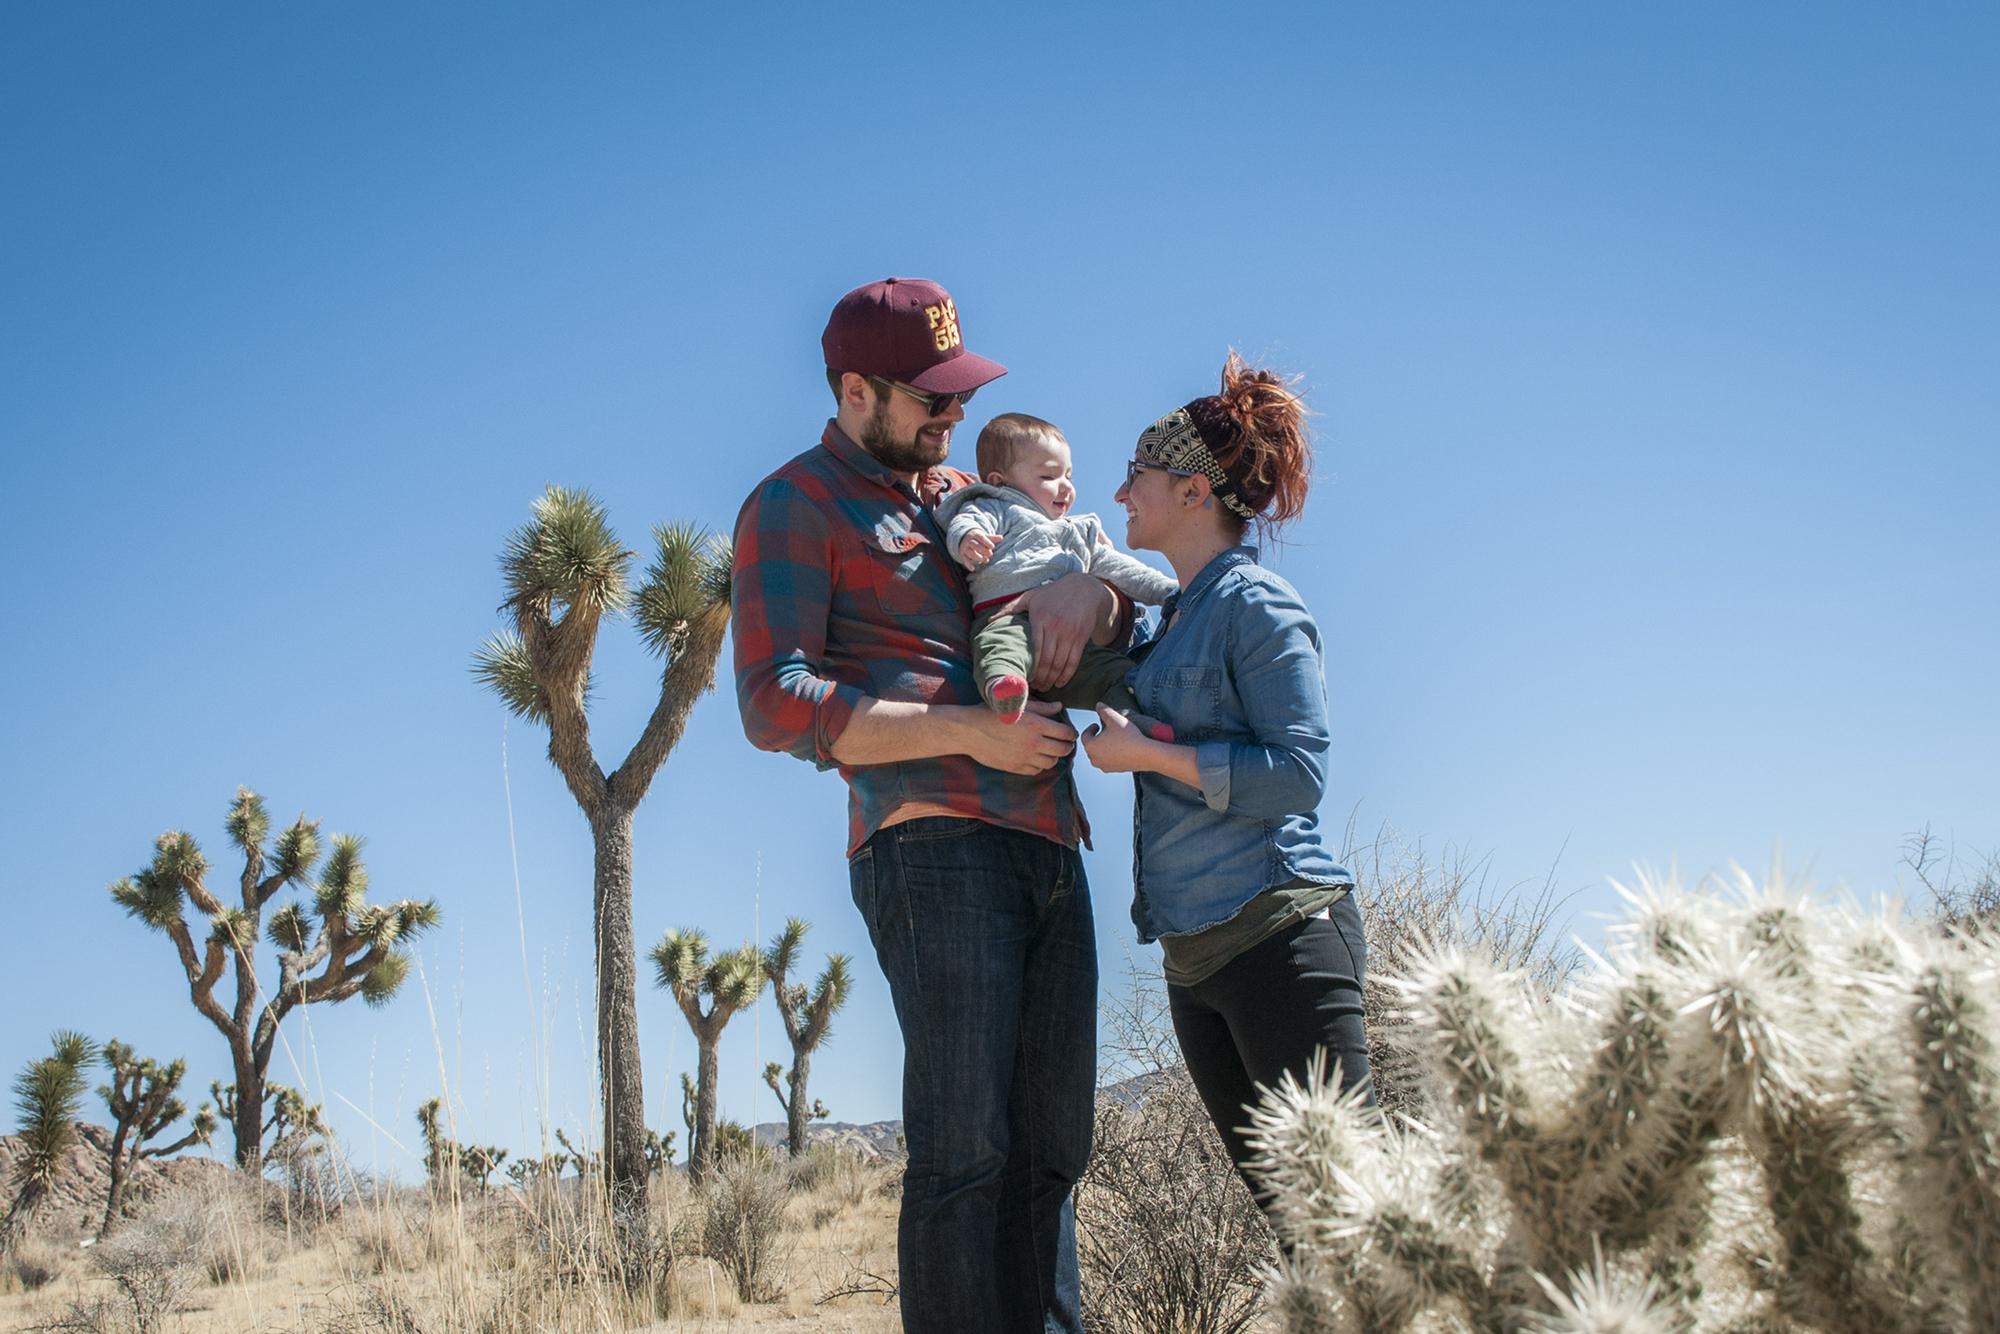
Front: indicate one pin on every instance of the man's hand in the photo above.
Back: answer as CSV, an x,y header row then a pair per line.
x,y
975,549
1063,616
1041,737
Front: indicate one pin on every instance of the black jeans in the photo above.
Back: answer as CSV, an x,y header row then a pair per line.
x,y
1267,1011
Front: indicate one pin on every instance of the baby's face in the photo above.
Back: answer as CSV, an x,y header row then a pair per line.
x,y
1041,469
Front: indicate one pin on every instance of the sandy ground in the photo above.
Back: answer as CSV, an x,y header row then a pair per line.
x,y
457,1276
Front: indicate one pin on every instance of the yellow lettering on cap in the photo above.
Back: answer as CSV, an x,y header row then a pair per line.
x,y
944,325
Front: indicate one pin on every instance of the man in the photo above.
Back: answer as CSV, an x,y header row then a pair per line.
x,y
854,650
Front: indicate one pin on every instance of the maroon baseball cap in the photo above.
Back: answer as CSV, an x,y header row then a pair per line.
x,y
904,329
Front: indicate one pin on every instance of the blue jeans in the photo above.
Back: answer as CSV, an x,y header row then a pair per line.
x,y
985,937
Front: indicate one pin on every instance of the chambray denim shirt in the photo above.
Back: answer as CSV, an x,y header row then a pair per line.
x,y
1238,676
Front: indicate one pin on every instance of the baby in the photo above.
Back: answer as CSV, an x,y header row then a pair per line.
x,y
1013,531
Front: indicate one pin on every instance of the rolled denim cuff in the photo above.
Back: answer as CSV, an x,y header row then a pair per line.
x,y
1211,758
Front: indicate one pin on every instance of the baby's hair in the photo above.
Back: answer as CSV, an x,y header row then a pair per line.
x,y
1270,457
1003,437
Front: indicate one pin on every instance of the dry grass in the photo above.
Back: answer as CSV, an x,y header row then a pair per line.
x,y
400,1262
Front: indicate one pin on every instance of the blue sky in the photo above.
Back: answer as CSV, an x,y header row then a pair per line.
x,y
1654,349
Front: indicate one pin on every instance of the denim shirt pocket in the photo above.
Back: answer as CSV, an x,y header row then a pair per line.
x,y
1189,699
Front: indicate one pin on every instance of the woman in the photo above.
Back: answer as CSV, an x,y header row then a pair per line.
x,y
1260,932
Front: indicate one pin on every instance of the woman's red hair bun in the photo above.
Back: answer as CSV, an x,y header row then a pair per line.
x,y
1270,460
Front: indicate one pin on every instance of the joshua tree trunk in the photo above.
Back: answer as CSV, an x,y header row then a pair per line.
x,y
246,1118
795,1105
701,1161
618,1006
115,1194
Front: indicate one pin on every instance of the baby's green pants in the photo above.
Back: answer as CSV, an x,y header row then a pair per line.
x,y
1001,645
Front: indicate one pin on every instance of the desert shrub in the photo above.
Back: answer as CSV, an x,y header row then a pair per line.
x,y
1168,1238
313,1182
220,1218
733,1139
844,1176
389,1235
742,1209
571,1239
91,1315
34,1263
1964,893
1759,1113
158,1260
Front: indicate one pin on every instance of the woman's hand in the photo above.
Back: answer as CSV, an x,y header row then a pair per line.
x,y
1117,747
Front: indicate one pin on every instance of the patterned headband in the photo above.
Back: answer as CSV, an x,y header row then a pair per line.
x,y
1174,441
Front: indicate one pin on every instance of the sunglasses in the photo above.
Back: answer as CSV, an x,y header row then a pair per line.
x,y
935,404
1135,466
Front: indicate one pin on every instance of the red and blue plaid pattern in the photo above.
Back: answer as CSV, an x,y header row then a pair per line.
x,y
842,591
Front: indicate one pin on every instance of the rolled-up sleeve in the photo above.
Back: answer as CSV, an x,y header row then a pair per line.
x,y
1274,656
781,588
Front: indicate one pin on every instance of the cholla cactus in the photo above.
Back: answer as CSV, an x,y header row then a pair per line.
x,y
1760,1113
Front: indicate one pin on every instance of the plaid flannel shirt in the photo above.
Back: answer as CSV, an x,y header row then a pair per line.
x,y
842,590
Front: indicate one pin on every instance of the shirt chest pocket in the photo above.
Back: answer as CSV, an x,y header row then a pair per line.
x,y
904,584
1189,699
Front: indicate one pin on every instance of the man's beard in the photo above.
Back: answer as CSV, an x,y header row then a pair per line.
x,y
911,455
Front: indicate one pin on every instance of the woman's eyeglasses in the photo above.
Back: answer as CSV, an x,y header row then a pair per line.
x,y
935,404
1136,466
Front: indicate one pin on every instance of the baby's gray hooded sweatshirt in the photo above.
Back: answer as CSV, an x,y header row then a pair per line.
x,y
1032,549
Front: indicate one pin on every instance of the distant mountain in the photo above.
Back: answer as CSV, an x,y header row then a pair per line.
x,y
877,1139
884,1139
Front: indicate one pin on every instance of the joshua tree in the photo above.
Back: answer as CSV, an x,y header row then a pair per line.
x,y
446,1160
440,1153
659,1150
292,1122
687,1104
350,942
565,572
48,1094
1759,1114
730,981
143,1103
807,1016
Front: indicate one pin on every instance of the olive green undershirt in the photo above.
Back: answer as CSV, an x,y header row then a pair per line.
x,y
1195,958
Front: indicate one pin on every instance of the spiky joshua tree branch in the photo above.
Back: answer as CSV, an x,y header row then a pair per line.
x,y
331,948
